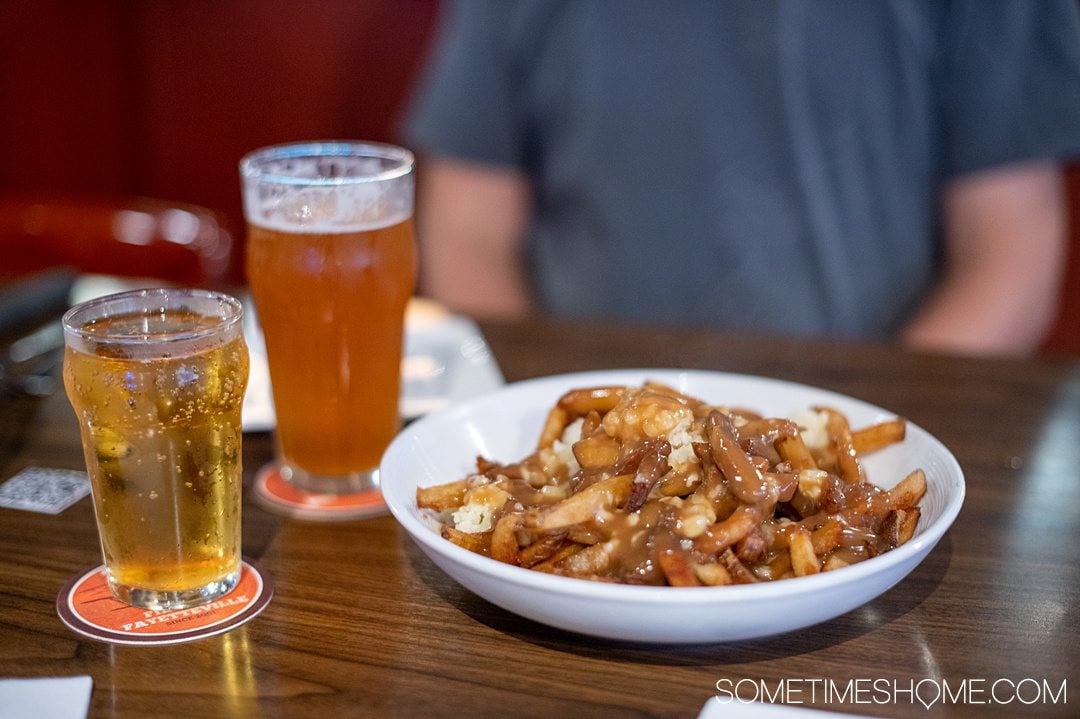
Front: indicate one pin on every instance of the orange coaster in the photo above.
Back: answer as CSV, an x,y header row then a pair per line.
x,y
87,606
274,493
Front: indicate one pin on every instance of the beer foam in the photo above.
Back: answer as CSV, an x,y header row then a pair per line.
x,y
336,209
270,222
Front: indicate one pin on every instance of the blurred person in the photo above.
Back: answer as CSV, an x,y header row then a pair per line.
x,y
839,169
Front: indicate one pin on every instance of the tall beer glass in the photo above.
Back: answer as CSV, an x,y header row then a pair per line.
x,y
331,262
157,380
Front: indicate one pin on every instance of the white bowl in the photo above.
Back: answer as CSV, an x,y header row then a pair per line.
x,y
505,425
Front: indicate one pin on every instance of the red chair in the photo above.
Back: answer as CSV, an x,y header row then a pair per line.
x,y
1065,334
180,243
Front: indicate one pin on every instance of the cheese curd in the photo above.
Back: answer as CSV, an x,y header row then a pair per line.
x,y
477,514
815,435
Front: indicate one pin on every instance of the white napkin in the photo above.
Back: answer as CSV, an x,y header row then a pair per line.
x,y
49,698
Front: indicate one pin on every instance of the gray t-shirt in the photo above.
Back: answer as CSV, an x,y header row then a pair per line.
x,y
762,166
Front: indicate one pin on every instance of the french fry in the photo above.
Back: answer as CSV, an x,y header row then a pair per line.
x,y
485,465
765,431
779,565
579,402
590,561
786,483
742,477
888,534
898,528
809,490
908,491
740,415
801,549
827,537
590,424
834,562
442,496
713,575
677,569
549,565
751,548
908,524
793,451
780,531
504,545
713,488
693,403
596,451
583,506
582,534
542,549
727,532
878,436
556,422
840,434
738,571
630,456
479,542
833,496
678,485
653,466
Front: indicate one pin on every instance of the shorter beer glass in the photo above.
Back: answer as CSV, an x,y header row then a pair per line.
x,y
157,380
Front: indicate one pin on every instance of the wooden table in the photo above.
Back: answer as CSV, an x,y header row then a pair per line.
x,y
362,624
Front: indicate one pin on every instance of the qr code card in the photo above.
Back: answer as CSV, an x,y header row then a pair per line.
x,y
49,491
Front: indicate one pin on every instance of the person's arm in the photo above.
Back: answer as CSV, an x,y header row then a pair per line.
x,y
1004,233
471,222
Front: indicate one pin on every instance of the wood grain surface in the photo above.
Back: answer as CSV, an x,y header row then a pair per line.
x,y
362,624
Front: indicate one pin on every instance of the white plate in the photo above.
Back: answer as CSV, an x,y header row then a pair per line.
x,y
505,424
446,360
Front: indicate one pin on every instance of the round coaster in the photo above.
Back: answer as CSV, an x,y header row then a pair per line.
x,y
87,606
277,495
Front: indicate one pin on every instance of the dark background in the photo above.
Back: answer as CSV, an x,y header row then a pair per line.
x,y
159,98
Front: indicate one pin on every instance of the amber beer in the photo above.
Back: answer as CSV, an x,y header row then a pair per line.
x,y
331,263
157,380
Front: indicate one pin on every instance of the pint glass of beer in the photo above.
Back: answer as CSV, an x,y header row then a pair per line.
x,y
331,262
157,380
